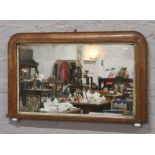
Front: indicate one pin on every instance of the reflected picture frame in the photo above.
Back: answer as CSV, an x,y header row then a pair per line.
x,y
133,37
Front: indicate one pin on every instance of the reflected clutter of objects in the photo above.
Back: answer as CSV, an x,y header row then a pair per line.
x,y
53,84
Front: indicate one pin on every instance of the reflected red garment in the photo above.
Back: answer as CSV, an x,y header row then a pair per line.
x,y
64,71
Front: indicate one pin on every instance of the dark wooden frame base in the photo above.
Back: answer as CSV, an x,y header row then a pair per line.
x,y
82,37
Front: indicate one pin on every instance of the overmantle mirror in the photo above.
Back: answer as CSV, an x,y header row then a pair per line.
x,y
96,76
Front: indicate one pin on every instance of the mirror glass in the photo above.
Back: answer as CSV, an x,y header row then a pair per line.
x,y
82,79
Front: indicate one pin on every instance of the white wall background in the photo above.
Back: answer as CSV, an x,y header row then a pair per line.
x,y
47,54
8,28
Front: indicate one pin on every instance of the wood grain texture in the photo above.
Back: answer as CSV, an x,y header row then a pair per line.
x,y
82,37
8,28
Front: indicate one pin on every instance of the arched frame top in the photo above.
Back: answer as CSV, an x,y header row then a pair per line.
x,y
82,37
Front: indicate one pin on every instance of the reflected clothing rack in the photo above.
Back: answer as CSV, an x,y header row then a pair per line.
x,y
62,70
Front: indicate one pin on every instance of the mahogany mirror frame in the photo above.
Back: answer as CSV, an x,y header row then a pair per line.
x,y
82,37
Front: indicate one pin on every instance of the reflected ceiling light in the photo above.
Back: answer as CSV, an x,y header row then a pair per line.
x,y
93,54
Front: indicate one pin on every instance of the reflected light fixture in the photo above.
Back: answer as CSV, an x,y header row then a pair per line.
x,y
93,54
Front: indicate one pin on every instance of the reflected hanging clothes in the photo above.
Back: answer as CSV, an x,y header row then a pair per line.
x,y
54,72
64,71
59,70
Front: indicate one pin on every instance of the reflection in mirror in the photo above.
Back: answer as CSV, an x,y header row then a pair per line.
x,y
90,79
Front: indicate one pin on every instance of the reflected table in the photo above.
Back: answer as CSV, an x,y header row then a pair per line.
x,y
92,107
